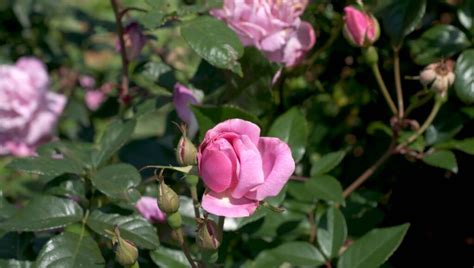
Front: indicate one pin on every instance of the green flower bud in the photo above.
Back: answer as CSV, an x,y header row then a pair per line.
x,y
174,220
186,152
208,236
192,180
371,55
126,253
168,200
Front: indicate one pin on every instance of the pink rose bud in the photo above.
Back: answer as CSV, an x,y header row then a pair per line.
x,y
273,27
148,208
361,29
94,98
186,152
134,40
28,111
240,168
183,98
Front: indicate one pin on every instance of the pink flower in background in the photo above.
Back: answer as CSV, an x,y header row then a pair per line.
x,y
134,40
148,208
240,168
273,27
94,98
87,81
28,111
360,29
183,98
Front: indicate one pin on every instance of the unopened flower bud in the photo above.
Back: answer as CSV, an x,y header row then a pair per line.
x,y
186,152
168,200
361,29
208,236
126,253
174,220
192,180
134,40
438,76
371,55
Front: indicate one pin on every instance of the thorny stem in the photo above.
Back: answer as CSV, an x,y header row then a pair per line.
x,y
398,83
123,52
383,88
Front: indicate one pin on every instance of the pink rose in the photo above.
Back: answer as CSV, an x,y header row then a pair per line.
x,y
360,29
134,40
28,111
240,168
148,208
94,98
273,27
183,97
87,81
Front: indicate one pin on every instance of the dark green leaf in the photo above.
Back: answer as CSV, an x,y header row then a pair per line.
x,y
152,19
214,41
327,188
374,248
464,83
442,159
292,128
44,213
15,245
260,213
166,257
327,163
298,253
440,41
466,145
115,136
465,15
15,264
70,250
79,152
46,166
134,228
332,232
6,209
401,17
116,180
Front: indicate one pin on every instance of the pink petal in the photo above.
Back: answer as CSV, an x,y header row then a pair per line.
x,y
301,42
182,99
237,126
278,165
357,24
94,98
251,172
35,69
222,204
148,208
217,165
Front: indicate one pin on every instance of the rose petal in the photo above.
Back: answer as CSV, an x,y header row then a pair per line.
x,y
182,99
237,126
35,69
148,208
278,165
222,204
356,23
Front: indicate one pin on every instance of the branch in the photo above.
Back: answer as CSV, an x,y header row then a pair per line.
x,y
383,88
398,83
123,52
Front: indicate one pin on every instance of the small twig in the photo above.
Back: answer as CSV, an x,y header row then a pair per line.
x,y
123,52
398,83
383,88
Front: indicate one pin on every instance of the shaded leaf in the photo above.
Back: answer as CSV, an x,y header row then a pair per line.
x,y
466,13
464,82
167,257
327,163
114,137
327,188
46,166
442,159
15,264
466,145
296,253
401,17
116,180
332,232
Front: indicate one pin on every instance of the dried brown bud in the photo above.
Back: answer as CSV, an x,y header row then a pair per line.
x,y
208,235
438,76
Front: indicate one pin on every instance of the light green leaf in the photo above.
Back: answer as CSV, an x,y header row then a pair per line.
x,y
442,159
327,188
374,248
116,180
466,145
167,257
464,82
327,163
332,232
298,253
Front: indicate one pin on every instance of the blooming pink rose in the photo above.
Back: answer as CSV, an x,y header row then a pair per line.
x,y
148,207
360,29
28,111
134,40
273,27
183,97
94,98
240,168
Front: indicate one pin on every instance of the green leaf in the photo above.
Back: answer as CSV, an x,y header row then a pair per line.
x,y
70,250
465,15
214,42
15,264
167,257
298,253
116,180
401,17
44,213
466,145
259,214
6,209
134,228
292,128
442,159
332,232
464,82
152,19
327,163
440,41
374,248
327,188
115,136
46,166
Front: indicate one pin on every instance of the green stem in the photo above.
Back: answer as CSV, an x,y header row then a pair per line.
x,y
383,88
398,83
123,52
220,224
196,204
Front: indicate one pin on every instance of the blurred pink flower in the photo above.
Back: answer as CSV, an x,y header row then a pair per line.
x,y
87,81
134,40
148,208
28,111
183,97
360,29
273,27
94,98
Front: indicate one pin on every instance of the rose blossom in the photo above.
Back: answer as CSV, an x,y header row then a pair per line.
x,y
360,29
28,111
94,98
148,208
240,168
273,27
134,40
183,97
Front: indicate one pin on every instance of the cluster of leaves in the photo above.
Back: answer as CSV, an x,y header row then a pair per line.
x,y
330,117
